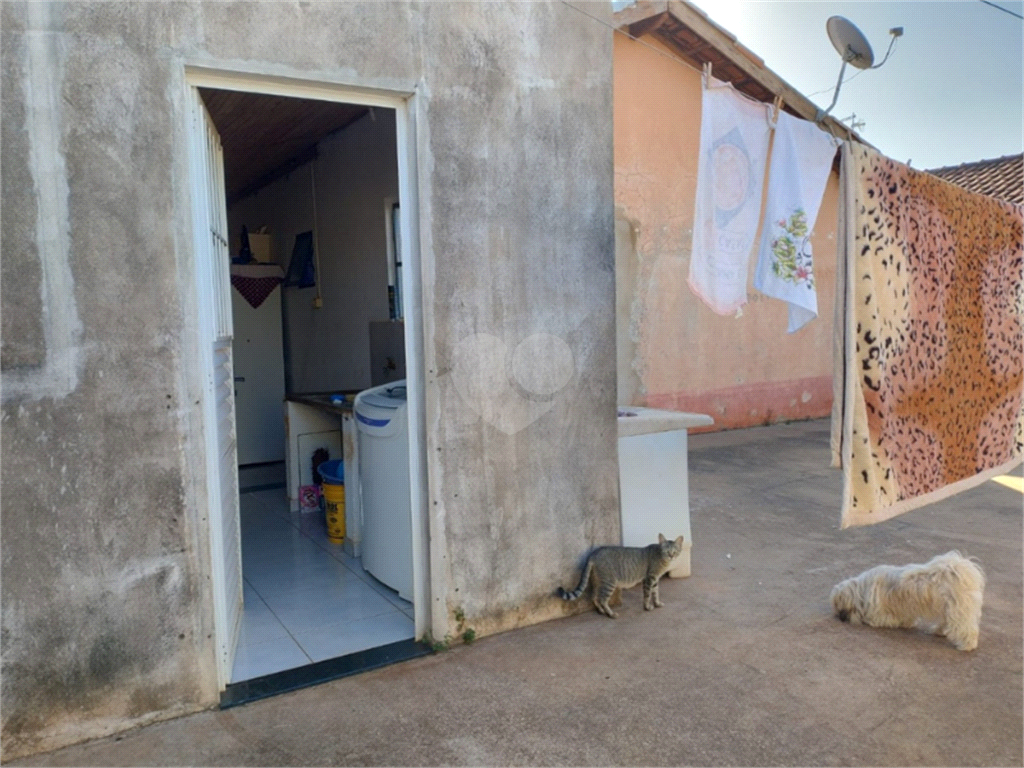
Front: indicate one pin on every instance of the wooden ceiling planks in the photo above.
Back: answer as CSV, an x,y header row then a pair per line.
x,y
265,137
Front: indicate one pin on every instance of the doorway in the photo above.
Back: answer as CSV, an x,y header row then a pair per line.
x,y
293,171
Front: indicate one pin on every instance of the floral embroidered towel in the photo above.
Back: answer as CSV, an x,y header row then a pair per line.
x,y
730,172
801,162
932,376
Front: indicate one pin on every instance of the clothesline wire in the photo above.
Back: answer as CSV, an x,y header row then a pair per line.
x,y
1004,10
676,58
892,47
669,56
613,28
832,87
658,51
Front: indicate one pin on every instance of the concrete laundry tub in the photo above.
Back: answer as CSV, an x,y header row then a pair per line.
x,y
654,487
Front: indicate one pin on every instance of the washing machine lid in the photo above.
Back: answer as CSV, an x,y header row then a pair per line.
x,y
392,396
380,411
382,401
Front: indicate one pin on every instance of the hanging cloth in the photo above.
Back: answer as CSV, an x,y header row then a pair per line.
x,y
801,162
931,380
734,134
256,281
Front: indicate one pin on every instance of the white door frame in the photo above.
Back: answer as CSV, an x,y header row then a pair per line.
x,y
405,104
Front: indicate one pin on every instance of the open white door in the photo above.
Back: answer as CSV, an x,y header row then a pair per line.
x,y
213,275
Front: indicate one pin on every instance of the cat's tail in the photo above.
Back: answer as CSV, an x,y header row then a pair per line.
x,y
581,587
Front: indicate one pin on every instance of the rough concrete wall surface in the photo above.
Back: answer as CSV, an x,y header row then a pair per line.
x,y
104,617
744,370
107,618
521,364
23,344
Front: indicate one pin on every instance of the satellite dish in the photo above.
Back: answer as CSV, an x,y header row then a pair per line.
x,y
855,49
850,42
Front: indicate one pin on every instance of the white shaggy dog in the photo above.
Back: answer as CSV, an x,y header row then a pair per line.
x,y
942,596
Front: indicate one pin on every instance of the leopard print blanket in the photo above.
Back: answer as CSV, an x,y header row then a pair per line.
x,y
929,320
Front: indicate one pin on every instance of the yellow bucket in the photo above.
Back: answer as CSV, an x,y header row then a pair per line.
x,y
334,503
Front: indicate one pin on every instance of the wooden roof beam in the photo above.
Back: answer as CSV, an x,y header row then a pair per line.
x,y
640,11
692,51
648,25
752,66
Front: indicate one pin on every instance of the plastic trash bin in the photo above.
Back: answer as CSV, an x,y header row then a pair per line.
x,y
333,474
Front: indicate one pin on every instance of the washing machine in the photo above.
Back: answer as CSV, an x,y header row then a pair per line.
x,y
382,425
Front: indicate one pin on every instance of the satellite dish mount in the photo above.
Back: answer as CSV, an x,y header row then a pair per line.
x,y
854,48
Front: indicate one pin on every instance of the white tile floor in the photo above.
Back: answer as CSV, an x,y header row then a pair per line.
x,y
305,599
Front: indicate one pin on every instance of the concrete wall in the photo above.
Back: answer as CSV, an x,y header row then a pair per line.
x,y
519,269
356,170
105,609
107,618
674,352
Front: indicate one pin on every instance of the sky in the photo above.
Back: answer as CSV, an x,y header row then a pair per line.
x,y
950,93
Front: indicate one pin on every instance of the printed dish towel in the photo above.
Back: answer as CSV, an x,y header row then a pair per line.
x,y
734,134
800,166
933,368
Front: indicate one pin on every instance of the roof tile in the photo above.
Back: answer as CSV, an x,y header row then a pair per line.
x,y
1001,177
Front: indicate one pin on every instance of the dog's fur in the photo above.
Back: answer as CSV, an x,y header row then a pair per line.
x,y
942,596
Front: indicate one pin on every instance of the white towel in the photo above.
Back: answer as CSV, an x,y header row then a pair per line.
x,y
801,161
734,134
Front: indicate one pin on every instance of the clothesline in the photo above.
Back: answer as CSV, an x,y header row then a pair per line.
x,y
826,125
613,28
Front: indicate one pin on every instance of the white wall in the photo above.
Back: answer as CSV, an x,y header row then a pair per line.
x,y
329,348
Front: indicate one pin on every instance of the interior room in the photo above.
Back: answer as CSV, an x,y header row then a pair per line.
x,y
312,206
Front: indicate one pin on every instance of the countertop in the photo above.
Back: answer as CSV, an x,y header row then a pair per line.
x,y
632,421
322,400
645,421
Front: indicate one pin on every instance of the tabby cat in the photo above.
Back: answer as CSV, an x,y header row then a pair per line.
x,y
615,568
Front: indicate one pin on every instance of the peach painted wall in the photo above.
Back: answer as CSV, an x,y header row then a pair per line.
x,y
673,351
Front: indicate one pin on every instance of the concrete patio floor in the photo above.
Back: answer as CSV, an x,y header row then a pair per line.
x,y
743,666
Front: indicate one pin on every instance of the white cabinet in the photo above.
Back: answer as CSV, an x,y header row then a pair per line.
x,y
313,422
